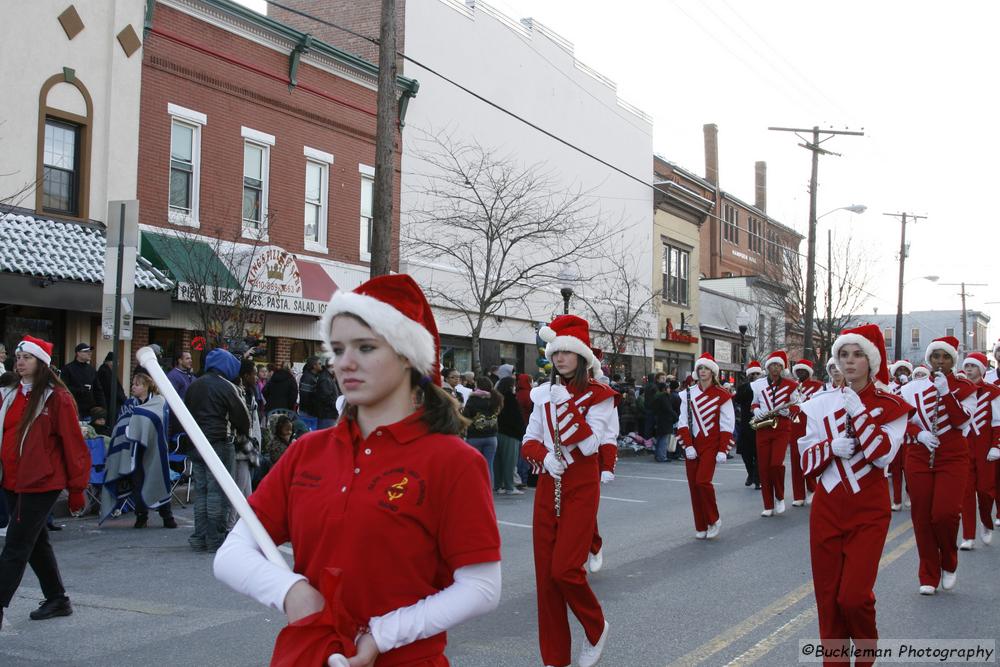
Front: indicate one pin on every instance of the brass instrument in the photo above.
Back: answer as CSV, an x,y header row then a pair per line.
x,y
770,419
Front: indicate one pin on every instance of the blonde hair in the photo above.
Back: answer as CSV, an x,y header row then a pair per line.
x,y
147,380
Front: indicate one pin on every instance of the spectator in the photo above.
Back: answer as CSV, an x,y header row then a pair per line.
x,y
627,410
109,384
281,391
493,376
326,397
505,371
666,418
81,380
483,408
181,377
139,453
219,409
247,447
452,379
99,421
648,409
524,395
307,387
467,387
43,452
263,374
3,358
510,431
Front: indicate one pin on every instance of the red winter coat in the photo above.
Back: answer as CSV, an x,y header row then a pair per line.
x,y
53,455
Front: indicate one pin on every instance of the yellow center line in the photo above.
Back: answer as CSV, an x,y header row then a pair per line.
x,y
779,606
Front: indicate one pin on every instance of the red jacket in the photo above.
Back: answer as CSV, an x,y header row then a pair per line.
x,y
53,455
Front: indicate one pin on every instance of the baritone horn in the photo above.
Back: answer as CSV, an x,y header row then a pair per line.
x,y
770,419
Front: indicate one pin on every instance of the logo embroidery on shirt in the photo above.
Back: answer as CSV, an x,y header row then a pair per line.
x,y
397,487
397,490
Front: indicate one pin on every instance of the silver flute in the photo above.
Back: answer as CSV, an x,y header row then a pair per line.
x,y
934,425
557,451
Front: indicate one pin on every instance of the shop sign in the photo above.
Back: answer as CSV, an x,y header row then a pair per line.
x,y
678,336
274,271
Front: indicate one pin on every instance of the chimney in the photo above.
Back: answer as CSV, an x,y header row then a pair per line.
x,y
760,181
712,153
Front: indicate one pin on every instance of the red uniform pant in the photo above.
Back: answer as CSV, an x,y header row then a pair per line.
x,y
561,546
936,502
980,490
799,482
700,472
896,470
772,443
597,543
846,536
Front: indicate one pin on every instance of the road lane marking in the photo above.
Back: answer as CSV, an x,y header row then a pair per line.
x,y
780,635
748,625
624,500
516,525
658,479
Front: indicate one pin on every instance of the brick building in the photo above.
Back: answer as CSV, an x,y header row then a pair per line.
x,y
256,166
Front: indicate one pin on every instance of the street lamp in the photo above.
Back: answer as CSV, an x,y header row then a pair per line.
x,y
853,208
743,323
566,276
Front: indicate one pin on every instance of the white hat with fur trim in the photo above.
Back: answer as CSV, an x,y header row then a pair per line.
x,y
777,357
803,365
947,344
920,372
708,362
978,359
569,333
902,363
872,343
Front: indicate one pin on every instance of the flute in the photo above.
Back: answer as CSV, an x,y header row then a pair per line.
x,y
934,426
557,451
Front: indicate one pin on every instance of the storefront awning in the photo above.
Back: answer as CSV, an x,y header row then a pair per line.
x,y
188,260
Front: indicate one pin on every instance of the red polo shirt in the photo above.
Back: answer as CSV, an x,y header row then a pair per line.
x,y
397,512
9,446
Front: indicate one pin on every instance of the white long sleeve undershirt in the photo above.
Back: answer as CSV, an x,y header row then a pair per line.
x,y
242,566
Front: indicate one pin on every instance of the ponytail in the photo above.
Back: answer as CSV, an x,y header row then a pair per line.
x,y
441,412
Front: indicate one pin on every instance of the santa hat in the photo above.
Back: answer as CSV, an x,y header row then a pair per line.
x,y
396,309
803,365
872,343
831,363
777,357
754,367
948,344
979,359
921,371
708,362
569,333
902,363
36,347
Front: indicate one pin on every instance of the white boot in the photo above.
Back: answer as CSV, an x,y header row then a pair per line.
x,y
591,655
948,579
927,590
896,507
700,534
595,561
767,513
986,535
967,545
779,506
809,497
798,503
713,530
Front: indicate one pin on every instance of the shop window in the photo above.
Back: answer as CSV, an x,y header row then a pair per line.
x,y
256,166
316,195
63,163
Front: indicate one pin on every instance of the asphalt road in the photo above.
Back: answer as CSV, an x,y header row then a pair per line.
x,y
143,598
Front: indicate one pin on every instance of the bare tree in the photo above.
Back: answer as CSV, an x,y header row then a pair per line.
x,y
621,304
503,229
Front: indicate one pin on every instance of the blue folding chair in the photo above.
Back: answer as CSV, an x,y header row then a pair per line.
x,y
182,476
98,456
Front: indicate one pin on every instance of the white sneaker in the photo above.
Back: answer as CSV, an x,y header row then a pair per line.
x,y
767,513
809,497
967,545
591,655
948,579
906,503
986,535
779,506
927,590
501,492
700,534
595,561
713,530
515,492
896,507
798,503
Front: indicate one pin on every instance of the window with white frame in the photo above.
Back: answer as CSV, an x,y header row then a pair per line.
x,y
675,269
256,159
367,209
185,164
316,195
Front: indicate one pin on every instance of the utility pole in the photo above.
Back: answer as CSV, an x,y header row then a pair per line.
x,y
829,287
964,344
815,146
387,122
903,218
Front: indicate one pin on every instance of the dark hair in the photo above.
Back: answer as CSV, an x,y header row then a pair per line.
x,y
441,412
45,377
506,386
483,383
581,377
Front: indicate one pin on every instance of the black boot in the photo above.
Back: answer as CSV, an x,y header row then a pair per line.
x,y
140,520
51,608
748,482
169,521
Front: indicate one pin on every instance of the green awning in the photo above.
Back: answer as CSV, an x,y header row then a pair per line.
x,y
187,260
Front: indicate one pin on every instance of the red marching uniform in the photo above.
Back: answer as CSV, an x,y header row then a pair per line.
x,y
992,377
582,424
936,492
983,434
850,511
801,484
772,443
706,422
896,471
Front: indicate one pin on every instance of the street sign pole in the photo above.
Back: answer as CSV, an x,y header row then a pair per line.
x,y
119,270
116,337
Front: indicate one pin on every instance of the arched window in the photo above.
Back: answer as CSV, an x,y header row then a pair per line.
x,y
62,172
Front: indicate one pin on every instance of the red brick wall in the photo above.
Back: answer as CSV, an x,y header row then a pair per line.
x,y
253,94
282,350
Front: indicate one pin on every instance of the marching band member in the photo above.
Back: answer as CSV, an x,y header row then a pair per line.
x,y
705,428
900,372
851,435
390,496
607,454
937,468
921,372
773,394
802,488
983,434
573,415
746,441
835,379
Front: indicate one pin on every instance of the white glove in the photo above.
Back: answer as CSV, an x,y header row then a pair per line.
x,y
941,384
759,412
853,402
720,458
903,379
607,476
690,453
842,447
337,660
993,454
554,466
558,394
928,440
783,412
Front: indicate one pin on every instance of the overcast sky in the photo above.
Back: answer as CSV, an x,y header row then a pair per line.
x,y
919,79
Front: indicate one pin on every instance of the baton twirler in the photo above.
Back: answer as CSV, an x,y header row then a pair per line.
x,y
147,358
